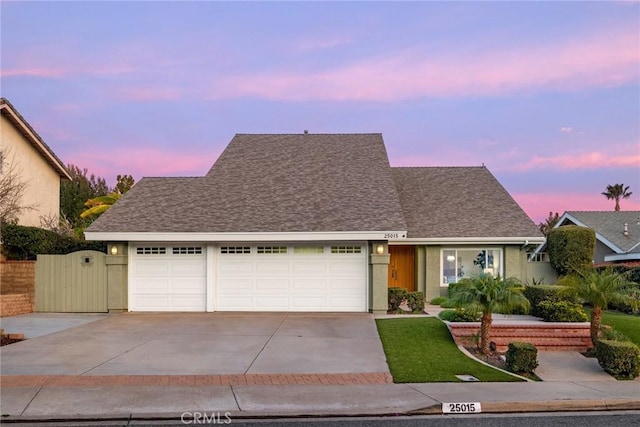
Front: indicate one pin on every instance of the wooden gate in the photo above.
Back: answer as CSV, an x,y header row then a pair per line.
x,y
73,283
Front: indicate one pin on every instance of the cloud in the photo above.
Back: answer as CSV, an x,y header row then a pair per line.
x,y
586,160
597,61
566,129
538,205
320,43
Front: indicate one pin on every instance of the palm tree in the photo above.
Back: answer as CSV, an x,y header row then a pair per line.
x,y
489,294
599,288
617,192
97,206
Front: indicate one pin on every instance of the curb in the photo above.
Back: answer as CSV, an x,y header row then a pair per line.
x,y
436,409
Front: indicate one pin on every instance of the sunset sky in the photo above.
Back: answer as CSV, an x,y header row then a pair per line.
x,y
545,94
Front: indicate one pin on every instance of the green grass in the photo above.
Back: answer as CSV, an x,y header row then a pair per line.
x,y
626,323
422,350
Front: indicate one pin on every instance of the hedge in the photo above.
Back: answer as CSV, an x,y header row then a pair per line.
x,y
562,311
619,358
570,248
396,296
522,357
538,293
415,301
459,315
25,243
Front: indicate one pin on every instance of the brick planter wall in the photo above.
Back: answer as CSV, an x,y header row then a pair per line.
x,y
17,287
545,336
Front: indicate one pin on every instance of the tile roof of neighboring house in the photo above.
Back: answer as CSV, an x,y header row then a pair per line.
x,y
610,226
459,202
271,183
9,111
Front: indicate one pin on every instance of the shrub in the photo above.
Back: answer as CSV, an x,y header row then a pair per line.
x,y
611,334
25,243
570,248
453,288
415,301
447,303
396,297
626,307
539,293
619,358
459,315
522,357
437,300
562,311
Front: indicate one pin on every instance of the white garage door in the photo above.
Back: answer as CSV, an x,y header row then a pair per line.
x,y
167,278
291,278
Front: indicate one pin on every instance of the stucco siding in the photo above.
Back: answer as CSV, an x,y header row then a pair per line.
x,y
433,288
42,191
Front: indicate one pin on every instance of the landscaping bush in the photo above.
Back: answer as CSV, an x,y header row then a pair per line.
x,y
447,303
562,311
451,290
539,293
625,307
570,248
459,315
437,300
396,297
522,357
611,334
619,358
415,301
25,243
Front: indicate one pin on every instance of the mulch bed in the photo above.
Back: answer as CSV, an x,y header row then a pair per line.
x,y
493,358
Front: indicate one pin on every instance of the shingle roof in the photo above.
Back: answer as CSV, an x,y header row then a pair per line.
x,y
459,202
13,115
610,225
271,183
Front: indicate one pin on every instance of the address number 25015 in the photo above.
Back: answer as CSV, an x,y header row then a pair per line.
x,y
461,408
391,235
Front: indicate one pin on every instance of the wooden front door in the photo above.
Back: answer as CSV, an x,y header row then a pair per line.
x,y
402,267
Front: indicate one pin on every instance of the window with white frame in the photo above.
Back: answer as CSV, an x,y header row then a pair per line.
x,y
457,264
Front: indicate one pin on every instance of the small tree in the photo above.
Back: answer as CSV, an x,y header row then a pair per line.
x,y
489,294
12,189
96,207
124,183
570,248
549,223
599,288
617,192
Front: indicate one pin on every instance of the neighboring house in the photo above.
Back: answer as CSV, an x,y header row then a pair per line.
x,y
617,233
24,153
309,222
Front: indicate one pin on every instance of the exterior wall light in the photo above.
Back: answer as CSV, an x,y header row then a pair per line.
x,y
451,258
114,250
379,249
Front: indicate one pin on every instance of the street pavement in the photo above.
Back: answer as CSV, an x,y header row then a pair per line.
x,y
34,389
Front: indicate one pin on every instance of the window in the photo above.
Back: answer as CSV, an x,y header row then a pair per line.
x,y
460,263
346,249
272,249
151,250
538,257
308,250
235,250
187,250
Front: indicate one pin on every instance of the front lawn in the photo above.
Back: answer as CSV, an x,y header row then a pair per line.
x,y
628,324
421,349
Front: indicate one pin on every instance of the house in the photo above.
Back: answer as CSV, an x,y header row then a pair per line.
x,y
309,222
617,233
29,159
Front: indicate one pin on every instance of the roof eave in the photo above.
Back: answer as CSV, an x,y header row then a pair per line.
x,y
32,136
532,240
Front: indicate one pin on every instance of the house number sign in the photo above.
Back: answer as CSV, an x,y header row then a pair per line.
x,y
461,408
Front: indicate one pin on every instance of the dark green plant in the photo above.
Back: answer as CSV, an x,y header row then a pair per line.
x,y
539,293
451,290
612,334
25,243
562,311
599,289
396,297
619,358
570,248
415,301
522,357
437,300
489,294
459,315
447,303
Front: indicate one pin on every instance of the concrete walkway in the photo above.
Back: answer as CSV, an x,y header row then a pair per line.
x,y
569,366
35,325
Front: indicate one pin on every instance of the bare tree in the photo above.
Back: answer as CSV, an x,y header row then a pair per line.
x,y
12,189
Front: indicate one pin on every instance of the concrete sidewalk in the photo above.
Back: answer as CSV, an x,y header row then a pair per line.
x,y
170,401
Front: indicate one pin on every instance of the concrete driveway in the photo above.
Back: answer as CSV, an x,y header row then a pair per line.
x,y
203,343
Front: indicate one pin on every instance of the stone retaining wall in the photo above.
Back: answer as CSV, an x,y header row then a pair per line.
x,y
545,336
